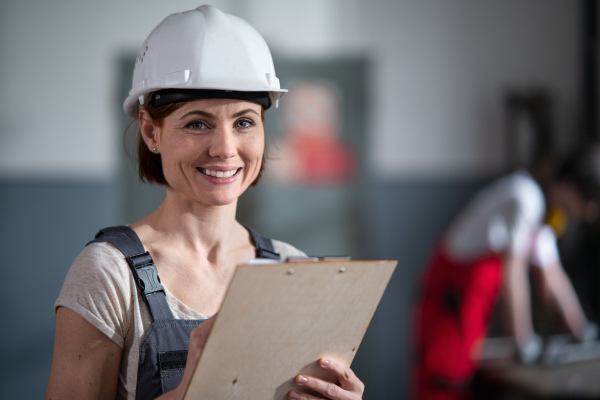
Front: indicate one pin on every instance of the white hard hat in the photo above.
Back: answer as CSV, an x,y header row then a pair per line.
x,y
203,48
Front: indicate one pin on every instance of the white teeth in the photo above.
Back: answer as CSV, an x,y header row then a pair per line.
x,y
220,174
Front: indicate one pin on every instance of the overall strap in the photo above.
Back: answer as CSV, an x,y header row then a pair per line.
x,y
142,266
264,246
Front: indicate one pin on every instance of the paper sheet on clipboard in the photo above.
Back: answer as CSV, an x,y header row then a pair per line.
x,y
277,320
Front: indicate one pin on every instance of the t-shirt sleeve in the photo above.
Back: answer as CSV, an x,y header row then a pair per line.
x,y
286,250
545,249
99,287
523,219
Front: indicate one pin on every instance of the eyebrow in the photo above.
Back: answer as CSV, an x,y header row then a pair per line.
x,y
209,115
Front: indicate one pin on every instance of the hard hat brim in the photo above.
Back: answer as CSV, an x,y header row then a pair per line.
x,y
169,96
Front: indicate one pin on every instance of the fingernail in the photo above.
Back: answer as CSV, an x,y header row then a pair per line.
x,y
325,362
294,395
301,380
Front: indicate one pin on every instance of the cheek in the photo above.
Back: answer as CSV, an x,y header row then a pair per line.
x,y
260,150
182,147
176,153
255,158
256,148
579,209
260,155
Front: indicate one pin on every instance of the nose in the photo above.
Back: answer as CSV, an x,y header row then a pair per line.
x,y
223,144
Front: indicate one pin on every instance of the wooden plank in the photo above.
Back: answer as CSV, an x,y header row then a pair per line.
x,y
573,380
566,369
277,320
558,349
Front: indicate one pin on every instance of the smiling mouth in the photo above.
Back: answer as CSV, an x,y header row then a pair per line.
x,y
218,174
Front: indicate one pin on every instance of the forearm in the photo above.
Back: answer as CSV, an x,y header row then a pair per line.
x,y
517,298
565,300
175,394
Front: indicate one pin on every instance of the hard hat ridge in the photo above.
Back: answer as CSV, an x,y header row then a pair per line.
x,y
203,48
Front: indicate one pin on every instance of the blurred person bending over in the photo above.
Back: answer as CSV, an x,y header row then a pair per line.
x,y
486,253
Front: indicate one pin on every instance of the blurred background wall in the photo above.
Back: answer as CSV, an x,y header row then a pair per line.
x,y
435,75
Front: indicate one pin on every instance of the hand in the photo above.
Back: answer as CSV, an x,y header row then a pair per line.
x,y
530,350
348,388
589,333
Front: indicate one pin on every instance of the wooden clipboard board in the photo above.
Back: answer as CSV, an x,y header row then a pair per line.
x,y
277,320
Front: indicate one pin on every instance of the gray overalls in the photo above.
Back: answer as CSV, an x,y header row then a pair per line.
x,y
163,352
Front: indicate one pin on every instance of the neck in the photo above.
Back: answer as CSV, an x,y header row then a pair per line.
x,y
200,227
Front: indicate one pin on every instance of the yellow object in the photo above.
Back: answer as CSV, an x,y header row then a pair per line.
x,y
557,219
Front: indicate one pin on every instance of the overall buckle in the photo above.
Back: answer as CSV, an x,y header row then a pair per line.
x,y
145,274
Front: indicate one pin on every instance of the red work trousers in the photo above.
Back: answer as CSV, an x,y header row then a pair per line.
x,y
452,316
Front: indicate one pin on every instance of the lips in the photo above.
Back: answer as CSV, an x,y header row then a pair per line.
x,y
218,174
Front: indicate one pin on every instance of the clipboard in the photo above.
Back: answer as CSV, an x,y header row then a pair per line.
x,y
278,320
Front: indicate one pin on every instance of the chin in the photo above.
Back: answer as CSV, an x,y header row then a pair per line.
x,y
223,203
221,200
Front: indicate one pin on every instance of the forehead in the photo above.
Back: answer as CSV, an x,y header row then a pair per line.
x,y
221,108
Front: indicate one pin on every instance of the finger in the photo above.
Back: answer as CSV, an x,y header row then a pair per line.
x,y
294,394
327,389
348,380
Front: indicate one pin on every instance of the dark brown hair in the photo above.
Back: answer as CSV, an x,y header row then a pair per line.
x,y
150,165
582,169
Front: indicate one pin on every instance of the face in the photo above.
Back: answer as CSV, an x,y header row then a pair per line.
x,y
577,206
211,149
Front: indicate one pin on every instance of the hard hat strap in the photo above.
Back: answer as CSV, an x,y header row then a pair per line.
x,y
169,96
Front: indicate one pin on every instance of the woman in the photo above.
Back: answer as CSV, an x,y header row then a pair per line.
x,y
201,84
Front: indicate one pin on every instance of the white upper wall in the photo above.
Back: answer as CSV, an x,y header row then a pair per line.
x,y
442,68
439,70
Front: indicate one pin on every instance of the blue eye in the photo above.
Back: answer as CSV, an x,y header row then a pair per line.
x,y
244,124
196,125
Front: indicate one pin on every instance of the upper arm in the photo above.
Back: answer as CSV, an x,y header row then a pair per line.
x,y
85,364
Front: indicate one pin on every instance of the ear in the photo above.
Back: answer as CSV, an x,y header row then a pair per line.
x,y
149,130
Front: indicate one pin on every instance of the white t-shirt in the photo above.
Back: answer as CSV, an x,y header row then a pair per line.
x,y
100,287
504,217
